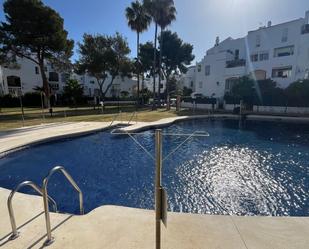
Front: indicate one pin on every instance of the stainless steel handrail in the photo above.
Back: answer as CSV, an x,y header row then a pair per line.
x,y
45,195
15,233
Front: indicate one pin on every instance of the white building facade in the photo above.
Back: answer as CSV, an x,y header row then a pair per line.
x,y
279,52
27,76
188,80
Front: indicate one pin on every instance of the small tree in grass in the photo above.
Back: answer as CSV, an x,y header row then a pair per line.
x,y
73,91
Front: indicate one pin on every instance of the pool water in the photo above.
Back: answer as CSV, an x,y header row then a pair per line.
x,y
261,169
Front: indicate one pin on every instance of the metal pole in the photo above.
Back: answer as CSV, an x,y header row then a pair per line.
x,y
240,114
22,109
158,200
42,105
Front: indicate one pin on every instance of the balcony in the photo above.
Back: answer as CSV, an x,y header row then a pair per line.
x,y
15,91
305,29
54,86
236,63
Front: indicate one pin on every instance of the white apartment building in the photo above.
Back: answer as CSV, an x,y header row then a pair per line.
x,y
27,76
119,86
279,52
188,79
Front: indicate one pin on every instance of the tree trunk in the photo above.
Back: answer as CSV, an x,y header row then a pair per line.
x,y
45,85
101,83
109,85
138,67
160,63
168,107
167,77
154,67
101,91
143,87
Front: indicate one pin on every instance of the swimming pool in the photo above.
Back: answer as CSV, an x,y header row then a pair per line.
x,y
261,169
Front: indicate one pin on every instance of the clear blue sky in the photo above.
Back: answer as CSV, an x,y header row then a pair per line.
x,y
198,21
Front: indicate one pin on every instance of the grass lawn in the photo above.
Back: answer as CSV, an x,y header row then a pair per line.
x,y
11,117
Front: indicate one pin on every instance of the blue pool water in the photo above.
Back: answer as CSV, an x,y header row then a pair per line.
x,y
262,169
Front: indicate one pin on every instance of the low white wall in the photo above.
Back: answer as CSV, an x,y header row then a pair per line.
x,y
121,102
230,107
281,109
197,106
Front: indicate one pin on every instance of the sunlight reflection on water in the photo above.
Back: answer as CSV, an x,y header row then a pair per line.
x,y
232,180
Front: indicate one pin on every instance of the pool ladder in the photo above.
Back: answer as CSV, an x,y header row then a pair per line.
x,y
122,121
46,199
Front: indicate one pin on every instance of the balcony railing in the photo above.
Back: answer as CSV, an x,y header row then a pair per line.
x,y
236,63
305,29
15,91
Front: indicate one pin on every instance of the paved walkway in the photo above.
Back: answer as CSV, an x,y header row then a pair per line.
x,y
119,227
35,134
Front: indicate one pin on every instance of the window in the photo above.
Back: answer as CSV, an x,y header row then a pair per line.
x,y
254,57
305,29
258,41
199,68
229,84
191,84
53,76
283,72
259,75
200,84
45,69
207,70
284,37
91,81
264,56
36,70
284,51
13,81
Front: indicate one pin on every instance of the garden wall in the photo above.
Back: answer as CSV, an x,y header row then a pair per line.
x,y
197,106
281,109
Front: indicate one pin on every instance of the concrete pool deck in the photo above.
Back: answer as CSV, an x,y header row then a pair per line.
x,y
121,227
116,227
20,137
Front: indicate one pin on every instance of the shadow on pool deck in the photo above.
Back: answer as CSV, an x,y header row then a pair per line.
x,y
7,240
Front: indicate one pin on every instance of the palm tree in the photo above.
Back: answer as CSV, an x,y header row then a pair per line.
x,y
139,21
163,13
